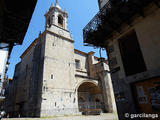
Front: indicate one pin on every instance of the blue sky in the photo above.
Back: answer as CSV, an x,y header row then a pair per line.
x,y
80,13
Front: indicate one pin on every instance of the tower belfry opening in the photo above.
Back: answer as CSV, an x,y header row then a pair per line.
x,y
60,21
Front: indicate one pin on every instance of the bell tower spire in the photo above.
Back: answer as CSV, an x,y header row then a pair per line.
x,y
57,5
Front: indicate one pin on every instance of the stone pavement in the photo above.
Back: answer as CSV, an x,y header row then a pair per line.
x,y
98,117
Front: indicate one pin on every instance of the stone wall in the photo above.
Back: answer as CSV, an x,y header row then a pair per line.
x,y
59,93
147,30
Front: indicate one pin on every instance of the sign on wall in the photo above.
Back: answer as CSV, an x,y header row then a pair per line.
x,y
147,94
142,98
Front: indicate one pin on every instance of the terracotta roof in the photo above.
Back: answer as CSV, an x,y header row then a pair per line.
x,y
29,48
84,53
35,41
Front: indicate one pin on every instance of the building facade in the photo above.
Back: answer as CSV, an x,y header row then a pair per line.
x,y
132,44
3,66
53,78
15,18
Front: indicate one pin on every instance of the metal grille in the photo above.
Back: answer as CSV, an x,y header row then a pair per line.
x,y
111,17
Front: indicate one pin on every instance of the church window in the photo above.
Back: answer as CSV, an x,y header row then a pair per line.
x,y
77,63
44,88
51,76
60,21
74,100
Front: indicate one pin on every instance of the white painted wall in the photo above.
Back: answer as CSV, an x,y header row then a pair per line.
x,y
3,61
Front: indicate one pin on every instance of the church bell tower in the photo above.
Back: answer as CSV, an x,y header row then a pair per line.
x,y
59,96
56,16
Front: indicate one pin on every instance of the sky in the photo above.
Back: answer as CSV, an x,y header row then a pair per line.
x,y
80,13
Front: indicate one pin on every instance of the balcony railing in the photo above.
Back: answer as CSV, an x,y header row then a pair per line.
x,y
111,17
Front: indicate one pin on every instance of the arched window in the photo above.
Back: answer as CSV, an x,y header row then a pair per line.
x,y
49,21
60,21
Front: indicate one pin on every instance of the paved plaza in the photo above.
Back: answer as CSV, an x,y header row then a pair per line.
x,y
98,117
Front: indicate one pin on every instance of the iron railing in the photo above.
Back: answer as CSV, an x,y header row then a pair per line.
x,y
110,18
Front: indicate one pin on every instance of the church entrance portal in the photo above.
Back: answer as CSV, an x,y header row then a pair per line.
x,y
90,99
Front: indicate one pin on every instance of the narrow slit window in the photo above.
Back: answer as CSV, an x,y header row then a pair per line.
x,y
77,64
52,76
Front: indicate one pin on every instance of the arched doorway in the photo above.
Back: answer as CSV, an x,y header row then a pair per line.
x,y
88,103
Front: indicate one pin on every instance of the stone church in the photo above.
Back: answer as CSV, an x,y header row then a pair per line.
x,y
53,78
